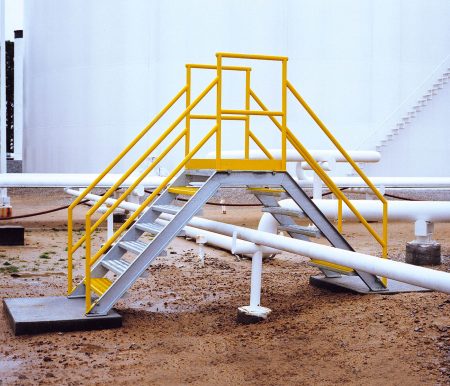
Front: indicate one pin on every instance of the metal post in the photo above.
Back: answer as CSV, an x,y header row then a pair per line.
x,y
188,115
18,95
219,112
3,166
247,121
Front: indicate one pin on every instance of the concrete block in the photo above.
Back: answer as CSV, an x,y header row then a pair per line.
x,y
12,235
56,313
418,253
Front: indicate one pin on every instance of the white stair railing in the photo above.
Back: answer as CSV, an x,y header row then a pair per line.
x,y
405,113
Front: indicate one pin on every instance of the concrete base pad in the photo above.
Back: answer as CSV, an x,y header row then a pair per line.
x,y
249,315
12,235
355,284
418,253
57,313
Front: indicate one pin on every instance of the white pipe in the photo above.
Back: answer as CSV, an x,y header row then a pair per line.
x,y
55,180
18,96
3,161
109,201
256,277
372,210
387,182
406,273
237,247
419,276
294,156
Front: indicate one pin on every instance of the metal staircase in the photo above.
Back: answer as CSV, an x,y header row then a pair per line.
x,y
110,272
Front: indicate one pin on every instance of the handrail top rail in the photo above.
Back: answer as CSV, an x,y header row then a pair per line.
x,y
214,67
251,56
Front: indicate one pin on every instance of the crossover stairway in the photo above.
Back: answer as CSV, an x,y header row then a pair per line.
x,y
110,272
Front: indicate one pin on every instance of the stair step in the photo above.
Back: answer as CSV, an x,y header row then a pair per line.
x,y
310,231
199,172
136,247
283,211
266,191
154,228
332,267
183,190
116,266
100,285
170,209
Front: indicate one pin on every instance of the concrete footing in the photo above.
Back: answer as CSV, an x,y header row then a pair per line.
x,y
56,313
12,235
249,315
419,253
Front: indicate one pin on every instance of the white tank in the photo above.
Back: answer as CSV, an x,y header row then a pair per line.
x,y
96,72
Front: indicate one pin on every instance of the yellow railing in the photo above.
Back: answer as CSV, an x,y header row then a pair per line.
x,y
218,163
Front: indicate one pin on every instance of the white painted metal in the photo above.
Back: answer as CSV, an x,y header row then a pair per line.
x,y
318,155
3,164
419,276
256,278
18,98
49,180
93,82
406,273
371,210
388,182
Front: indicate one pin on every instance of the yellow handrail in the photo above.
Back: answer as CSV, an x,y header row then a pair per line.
x,y
139,161
221,113
328,181
101,176
348,159
91,260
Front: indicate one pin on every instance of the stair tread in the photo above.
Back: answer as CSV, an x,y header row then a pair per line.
x,y
100,285
183,190
153,228
264,190
287,212
135,246
304,230
117,266
171,209
332,267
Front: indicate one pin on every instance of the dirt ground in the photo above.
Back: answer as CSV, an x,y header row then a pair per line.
x,y
179,323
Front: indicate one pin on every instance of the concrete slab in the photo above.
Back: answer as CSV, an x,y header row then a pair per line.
x,y
56,313
355,284
12,235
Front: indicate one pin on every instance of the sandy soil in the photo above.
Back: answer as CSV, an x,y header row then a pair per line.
x,y
180,328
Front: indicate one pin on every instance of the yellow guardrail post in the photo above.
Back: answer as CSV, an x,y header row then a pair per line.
x,y
150,198
339,215
219,111
87,272
188,115
247,121
284,109
70,247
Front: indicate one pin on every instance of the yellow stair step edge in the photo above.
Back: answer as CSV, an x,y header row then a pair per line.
x,y
100,285
332,266
184,190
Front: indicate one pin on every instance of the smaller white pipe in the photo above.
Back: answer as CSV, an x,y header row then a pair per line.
x,y
372,210
388,182
293,155
109,201
256,276
110,226
74,180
